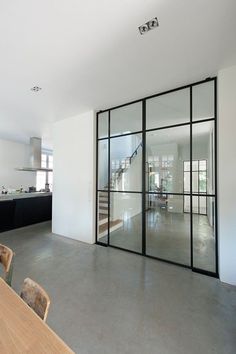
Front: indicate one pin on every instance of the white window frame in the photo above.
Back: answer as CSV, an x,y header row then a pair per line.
x,y
48,154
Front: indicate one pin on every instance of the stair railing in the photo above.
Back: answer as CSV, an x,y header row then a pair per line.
x,y
124,166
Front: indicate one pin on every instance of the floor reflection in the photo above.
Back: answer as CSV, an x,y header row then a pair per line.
x,y
168,237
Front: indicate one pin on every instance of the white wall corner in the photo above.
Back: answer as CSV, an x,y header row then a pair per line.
x,y
227,174
74,177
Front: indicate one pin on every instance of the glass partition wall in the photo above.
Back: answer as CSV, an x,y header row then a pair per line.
x,y
156,177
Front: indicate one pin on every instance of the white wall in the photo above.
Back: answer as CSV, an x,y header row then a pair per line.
x,y
12,155
74,177
227,174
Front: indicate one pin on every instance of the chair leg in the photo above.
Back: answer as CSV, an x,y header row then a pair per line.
x,y
8,277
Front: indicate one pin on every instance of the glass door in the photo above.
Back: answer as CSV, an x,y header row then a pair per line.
x,y
167,145
156,177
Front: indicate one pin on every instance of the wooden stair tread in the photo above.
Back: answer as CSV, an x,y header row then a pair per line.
x,y
104,227
102,216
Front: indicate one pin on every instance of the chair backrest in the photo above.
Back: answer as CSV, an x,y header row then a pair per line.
x,y
6,255
36,297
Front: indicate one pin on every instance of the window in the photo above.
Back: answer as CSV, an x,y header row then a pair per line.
x,y
199,186
44,177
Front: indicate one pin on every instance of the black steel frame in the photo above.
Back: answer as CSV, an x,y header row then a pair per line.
x,y
144,193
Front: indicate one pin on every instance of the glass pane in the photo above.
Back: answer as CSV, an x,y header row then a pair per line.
x,y
202,182
186,182
43,160
40,180
166,150
126,163
203,101
168,109
195,182
102,217
204,238
186,165
187,204
126,221
202,165
103,164
203,148
195,166
126,119
103,125
195,204
168,229
50,161
202,205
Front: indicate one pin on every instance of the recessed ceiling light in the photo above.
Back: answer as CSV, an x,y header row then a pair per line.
x,y
143,29
36,88
148,26
153,23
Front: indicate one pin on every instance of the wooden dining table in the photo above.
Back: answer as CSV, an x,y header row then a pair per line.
x,y
22,331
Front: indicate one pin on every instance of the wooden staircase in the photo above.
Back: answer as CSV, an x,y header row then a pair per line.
x,y
116,174
103,216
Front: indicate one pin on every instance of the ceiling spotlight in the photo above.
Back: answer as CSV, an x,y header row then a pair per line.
x,y
153,23
143,29
36,88
148,26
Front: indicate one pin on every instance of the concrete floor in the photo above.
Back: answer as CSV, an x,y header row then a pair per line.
x,y
107,301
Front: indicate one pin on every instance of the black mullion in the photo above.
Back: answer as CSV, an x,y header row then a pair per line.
x,y
115,191
160,128
198,180
168,127
109,177
125,134
205,272
207,178
215,187
167,193
203,120
159,94
191,179
144,178
96,208
101,139
183,188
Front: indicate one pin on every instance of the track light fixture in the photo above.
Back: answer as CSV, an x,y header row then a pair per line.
x,y
36,88
148,26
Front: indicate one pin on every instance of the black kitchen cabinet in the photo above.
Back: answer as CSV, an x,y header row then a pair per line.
x,y
24,211
7,211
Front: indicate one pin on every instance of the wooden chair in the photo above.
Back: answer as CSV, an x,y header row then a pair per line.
x,y
6,259
36,298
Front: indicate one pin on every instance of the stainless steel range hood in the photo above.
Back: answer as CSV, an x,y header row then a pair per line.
x,y
35,157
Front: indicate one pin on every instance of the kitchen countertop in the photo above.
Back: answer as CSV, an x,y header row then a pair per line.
x,y
23,195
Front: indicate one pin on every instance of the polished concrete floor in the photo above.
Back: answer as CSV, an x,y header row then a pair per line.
x,y
107,301
168,237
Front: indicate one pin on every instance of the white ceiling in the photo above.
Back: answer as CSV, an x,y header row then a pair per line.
x,y
89,55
